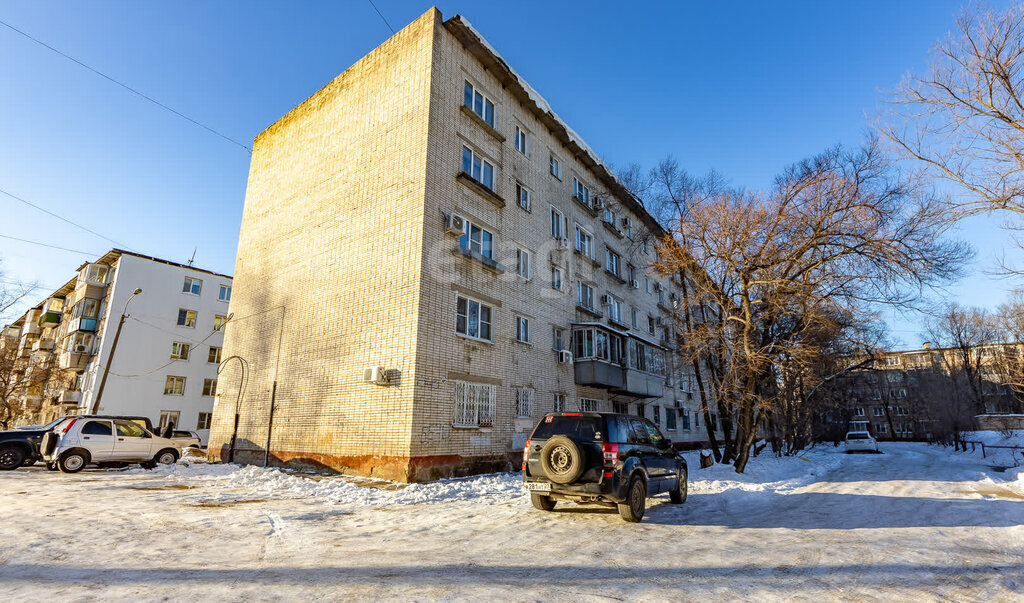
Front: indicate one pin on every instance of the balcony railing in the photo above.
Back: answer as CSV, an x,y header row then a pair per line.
x,y
42,344
71,397
73,360
49,319
598,373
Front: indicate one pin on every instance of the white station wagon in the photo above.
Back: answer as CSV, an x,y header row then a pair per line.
x,y
98,440
861,441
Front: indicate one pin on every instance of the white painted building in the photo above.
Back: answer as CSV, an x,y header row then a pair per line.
x,y
165,364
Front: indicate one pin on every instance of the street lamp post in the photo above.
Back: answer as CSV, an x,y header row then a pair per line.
x,y
113,348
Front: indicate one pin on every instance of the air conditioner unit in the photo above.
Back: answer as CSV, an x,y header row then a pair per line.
x,y
598,203
563,243
658,287
81,348
564,357
455,224
606,300
634,284
376,375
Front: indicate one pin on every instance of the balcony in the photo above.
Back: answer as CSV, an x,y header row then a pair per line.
x,y
71,397
31,328
75,361
33,402
42,344
597,373
84,325
49,319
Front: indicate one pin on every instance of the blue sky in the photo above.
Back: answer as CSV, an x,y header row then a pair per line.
x,y
742,87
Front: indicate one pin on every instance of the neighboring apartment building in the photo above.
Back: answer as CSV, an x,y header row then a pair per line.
x,y
428,214
904,394
165,365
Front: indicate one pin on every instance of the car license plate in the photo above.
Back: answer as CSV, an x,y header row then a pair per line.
x,y
537,486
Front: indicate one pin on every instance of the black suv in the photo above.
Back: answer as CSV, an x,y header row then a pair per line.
x,y
601,458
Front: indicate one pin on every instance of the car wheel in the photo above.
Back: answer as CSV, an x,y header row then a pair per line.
x,y
544,503
11,457
678,496
562,460
166,457
72,462
632,510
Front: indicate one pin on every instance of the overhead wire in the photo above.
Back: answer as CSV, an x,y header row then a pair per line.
x,y
62,218
127,87
41,244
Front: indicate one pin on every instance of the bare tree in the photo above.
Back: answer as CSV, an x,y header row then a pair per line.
x,y
11,294
837,233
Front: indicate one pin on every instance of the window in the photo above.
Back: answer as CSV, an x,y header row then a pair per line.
x,y
523,195
584,295
225,293
656,414
174,386
684,416
524,266
859,411
614,309
588,404
80,343
474,404
479,104
187,318
597,344
621,408
612,261
647,284
558,405
524,402
209,387
475,238
192,285
167,417
878,411
580,192
584,242
893,377
901,412
522,329
634,318
87,308
670,419
557,224
628,225
179,350
646,358
630,273
97,273
131,429
473,319
609,216
555,167
520,140
646,246
98,428
881,428
204,420
558,339
478,168
650,324
556,278
219,321
892,361
214,355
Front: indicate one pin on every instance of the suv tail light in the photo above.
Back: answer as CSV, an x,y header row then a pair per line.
x,y
526,453
65,430
610,452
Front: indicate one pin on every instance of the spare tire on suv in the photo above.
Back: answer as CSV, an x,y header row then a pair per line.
x,y
562,460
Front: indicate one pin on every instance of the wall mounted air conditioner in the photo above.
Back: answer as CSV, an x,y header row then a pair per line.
x,y
634,284
564,357
563,243
606,300
376,375
455,224
81,348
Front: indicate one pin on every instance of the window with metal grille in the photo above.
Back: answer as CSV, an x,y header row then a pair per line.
x,y
588,405
524,402
474,404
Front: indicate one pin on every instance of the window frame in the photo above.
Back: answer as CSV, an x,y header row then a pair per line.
x,y
471,401
209,387
183,350
562,223
485,242
189,286
521,140
221,296
580,287
584,239
470,92
174,385
474,156
489,322
525,402
219,320
578,189
183,319
523,194
589,402
557,279
524,263
555,166
204,420
216,354
522,329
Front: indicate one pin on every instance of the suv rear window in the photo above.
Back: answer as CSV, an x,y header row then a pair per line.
x,y
857,436
585,429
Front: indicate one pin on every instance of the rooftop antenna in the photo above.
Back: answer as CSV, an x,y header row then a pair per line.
x,y
194,250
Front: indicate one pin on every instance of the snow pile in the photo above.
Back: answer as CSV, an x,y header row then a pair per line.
x,y
766,472
1006,457
996,438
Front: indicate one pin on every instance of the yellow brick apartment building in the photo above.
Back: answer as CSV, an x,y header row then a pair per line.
x,y
430,260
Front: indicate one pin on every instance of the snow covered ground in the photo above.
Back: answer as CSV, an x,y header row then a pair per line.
x,y
917,522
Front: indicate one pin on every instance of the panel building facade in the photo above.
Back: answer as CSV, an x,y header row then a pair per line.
x,y
167,356
430,259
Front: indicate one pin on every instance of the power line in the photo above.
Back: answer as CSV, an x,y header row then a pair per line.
x,y
89,253
378,12
129,88
46,211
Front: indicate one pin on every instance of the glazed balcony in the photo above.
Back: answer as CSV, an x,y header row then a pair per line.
x,y
84,325
44,344
618,379
75,361
71,397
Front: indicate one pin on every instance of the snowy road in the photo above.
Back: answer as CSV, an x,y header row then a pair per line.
x,y
914,523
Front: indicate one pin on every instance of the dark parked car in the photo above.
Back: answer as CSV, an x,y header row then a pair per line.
x,y
601,458
21,447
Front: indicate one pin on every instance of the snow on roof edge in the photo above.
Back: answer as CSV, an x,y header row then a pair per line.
x,y
545,106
